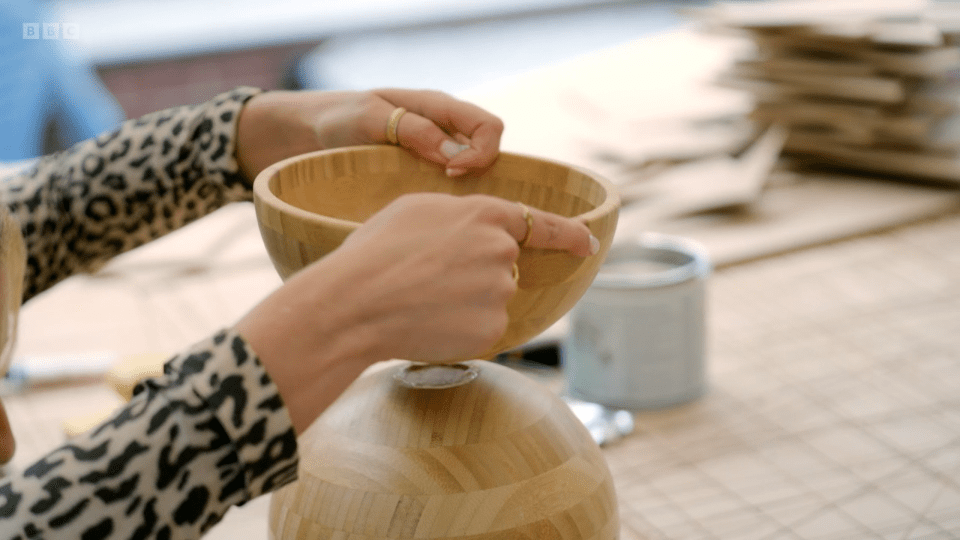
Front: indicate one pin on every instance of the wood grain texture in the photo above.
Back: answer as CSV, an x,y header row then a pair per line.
x,y
307,205
500,457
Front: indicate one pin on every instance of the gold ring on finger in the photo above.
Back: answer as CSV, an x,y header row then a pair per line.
x,y
528,217
392,124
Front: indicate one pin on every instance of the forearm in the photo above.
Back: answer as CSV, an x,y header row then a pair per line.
x,y
209,434
81,207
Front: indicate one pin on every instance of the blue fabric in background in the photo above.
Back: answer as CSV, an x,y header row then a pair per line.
x,y
44,80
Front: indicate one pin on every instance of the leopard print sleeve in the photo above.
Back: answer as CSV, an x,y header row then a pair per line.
x,y
104,196
203,437
213,431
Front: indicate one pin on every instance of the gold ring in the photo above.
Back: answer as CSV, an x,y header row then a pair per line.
x,y
528,217
393,123
516,274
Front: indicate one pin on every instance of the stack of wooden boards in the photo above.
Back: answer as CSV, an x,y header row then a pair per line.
x,y
871,86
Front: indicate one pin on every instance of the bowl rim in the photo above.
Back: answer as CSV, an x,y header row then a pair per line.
x,y
261,185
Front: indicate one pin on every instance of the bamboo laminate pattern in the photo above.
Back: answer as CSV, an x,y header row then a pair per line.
x,y
500,457
307,205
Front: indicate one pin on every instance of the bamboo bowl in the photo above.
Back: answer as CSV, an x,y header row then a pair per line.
x,y
307,205
499,458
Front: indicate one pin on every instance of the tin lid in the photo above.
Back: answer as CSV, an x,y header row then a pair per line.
x,y
653,260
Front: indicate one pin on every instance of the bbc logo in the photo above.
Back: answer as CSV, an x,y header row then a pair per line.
x,y
51,31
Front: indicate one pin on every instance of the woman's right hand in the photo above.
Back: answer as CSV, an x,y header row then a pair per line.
x,y
428,277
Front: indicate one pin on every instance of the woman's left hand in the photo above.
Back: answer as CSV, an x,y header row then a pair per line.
x,y
459,136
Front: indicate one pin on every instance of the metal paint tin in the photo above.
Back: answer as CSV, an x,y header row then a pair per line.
x,y
637,337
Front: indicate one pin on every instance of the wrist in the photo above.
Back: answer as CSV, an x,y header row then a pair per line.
x,y
248,132
271,128
311,345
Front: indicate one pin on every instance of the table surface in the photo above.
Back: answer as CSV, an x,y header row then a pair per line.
x,y
834,402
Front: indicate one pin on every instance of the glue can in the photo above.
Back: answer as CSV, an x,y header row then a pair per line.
x,y
637,336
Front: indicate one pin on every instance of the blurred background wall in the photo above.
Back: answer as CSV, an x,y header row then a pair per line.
x,y
109,59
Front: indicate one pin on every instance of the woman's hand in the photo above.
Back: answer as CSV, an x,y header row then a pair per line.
x,y
437,127
427,278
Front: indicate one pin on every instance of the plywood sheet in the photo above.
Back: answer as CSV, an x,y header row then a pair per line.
x,y
809,211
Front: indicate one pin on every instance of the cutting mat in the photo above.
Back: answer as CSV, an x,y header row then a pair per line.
x,y
834,412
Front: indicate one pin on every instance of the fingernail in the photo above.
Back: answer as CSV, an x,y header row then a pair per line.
x,y
594,245
449,149
455,171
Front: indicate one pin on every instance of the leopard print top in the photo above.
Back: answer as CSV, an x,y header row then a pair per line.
x,y
213,431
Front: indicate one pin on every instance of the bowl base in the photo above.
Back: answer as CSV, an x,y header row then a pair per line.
x,y
435,376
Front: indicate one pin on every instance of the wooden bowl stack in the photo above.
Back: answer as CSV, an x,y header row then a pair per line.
x,y
869,86
490,456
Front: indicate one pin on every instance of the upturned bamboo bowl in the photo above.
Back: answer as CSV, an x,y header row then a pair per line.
x,y
307,205
498,458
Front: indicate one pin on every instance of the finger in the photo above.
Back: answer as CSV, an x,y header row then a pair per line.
x,y
551,231
455,117
414,132
425,139
484,147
